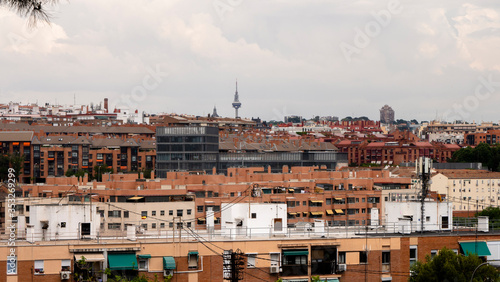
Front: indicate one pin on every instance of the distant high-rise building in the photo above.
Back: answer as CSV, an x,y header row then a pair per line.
x,y
386,114
236,102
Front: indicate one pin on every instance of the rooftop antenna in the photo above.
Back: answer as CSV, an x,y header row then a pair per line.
x,y
423,168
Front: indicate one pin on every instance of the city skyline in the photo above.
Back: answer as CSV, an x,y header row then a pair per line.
x,y
426,60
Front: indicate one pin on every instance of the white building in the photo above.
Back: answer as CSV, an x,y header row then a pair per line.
x,y
249,219
405,217
62,221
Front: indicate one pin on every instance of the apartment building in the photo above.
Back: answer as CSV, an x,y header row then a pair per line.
x,y
340,198
54,155
489,137
369,257
394,152
468,190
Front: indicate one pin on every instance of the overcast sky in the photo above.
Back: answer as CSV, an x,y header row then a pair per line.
x,y
425,59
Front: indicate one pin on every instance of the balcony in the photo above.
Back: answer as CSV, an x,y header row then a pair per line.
x,y
322,268
294,270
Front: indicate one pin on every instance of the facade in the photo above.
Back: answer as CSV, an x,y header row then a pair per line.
x,y
54,155
186,148
468,190
60,221
199,148
394,152
257,217
386,115
367,257
490,137
405,217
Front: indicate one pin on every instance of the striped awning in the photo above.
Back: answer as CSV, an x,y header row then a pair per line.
x,y
317,213
329,212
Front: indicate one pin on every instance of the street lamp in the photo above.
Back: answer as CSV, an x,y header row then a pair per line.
x,y
474,272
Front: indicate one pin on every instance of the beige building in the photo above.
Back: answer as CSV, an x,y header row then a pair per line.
x,y
468,189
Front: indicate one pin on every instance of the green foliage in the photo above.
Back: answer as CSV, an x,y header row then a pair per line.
x,y
491,212
15,161
448,266
315,278
349,118
487,155
99,170
79,173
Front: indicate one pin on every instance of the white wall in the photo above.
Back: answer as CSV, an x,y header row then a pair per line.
x,y
263,223
435,210
73,215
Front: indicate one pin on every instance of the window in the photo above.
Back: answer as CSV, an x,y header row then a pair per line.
x,y
341,257
254,215
170,224
171,212
188,212
386,257
143,264
66,265
125,214
153,225
153,213
193,259
144,213
114,226
39,267
12,265
162,225
162,213
328,201
251,260
188,224
363,257
114,213
433,253
413,255
180,212
199,208
63,224
386,261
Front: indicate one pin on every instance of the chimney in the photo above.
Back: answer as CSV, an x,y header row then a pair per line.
x,y
106,104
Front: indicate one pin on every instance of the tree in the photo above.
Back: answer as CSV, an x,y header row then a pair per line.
x,y
448,266
34,10
491,212
15,161
99,170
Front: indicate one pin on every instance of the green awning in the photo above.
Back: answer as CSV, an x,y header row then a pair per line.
x,y
479,248
332,280
144,256
122,261
168,263
295,253
192,253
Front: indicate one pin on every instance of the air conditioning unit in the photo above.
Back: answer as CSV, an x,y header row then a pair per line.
x,y
168,272
65,275
342,267
274,269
